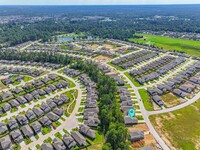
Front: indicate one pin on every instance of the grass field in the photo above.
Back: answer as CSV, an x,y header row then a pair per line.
x,y
188,46
171,99
145,98
181,128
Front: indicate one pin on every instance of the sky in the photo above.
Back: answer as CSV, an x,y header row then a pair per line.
x,y
94,2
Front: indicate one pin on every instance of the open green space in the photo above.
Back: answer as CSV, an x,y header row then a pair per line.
x,y
180,127
146,99
118,68
183,45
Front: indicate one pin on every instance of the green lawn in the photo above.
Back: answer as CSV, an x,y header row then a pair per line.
x,y
132,80
145,99
181,127
27,141
48,140
58,135
117,67
46,130
2,86
188,46
27,78
56,123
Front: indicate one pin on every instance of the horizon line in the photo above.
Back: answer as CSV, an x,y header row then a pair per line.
x,y
96,4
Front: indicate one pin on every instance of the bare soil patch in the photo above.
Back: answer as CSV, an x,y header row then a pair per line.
x,y
102,58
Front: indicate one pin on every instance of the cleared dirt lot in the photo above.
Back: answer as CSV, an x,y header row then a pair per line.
x,y
148,138
102,58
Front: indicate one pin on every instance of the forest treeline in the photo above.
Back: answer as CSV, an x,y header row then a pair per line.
x,y
119,22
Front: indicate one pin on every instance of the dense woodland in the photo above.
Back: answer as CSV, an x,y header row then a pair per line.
x,y
50,57
122,23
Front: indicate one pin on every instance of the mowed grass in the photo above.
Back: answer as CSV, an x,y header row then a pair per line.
x,y
183,45
117,67
137,84
146,99
181,127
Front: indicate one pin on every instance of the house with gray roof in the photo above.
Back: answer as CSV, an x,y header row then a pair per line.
x,y
136,135
53,117
53,77
51,104
157,99
46,79
29,97
58,111
58,101
12,124
5,142
35,94
85,130
69,141
14,103
44,107
45,121
6,95
30,115
128,121
27,131
22,119
6,107
46,146
92,122
3,128
58,85
179,93
48,90
58,144
38,111
17,90
36,126
41,92
38,83
64,83
21,100
78,138
16,136
64,98
52,87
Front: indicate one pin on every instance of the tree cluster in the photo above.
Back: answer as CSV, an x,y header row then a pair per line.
x,y
50,57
